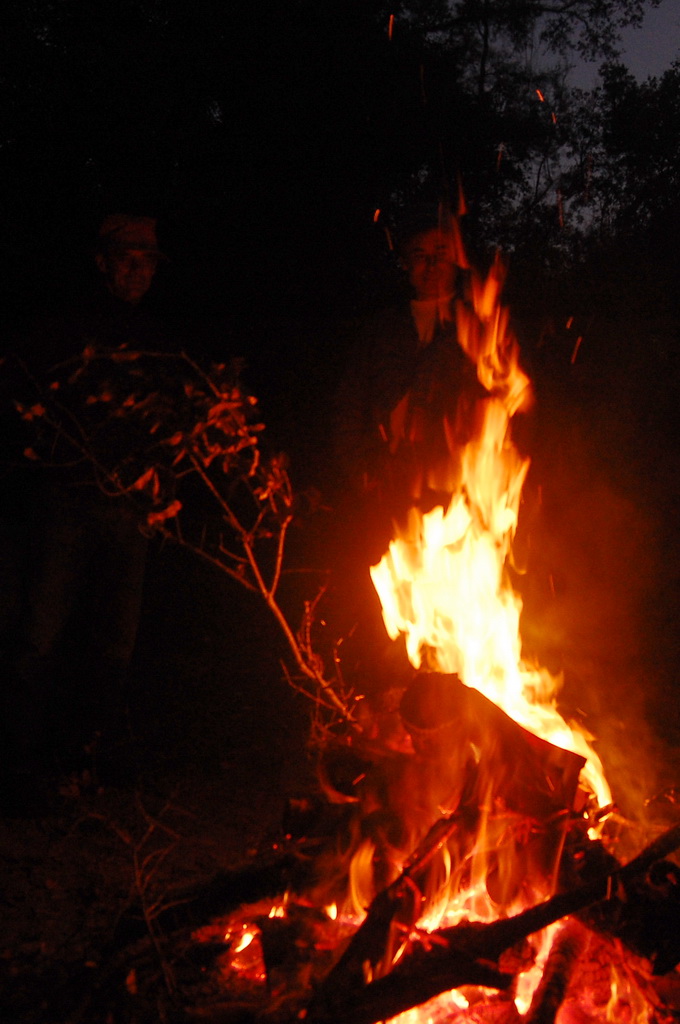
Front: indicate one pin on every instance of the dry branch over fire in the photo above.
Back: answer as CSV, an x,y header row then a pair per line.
x,y
181,443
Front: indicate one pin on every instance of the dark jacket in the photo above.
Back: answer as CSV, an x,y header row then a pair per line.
x,y
401,405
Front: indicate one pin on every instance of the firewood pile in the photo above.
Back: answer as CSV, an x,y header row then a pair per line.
x,y
613,943
271,942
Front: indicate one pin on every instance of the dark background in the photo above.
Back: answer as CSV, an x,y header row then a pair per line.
x,y
264,140
264,136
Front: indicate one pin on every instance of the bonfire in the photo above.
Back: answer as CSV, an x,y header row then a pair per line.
x,y
466,861
473,872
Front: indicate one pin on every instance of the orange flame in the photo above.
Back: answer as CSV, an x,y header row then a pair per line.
x,y
443,583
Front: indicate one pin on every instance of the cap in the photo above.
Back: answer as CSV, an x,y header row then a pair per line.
x,y
122,231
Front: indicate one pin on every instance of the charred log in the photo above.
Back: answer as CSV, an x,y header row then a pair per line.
x,y
223,893
469,949
421,976
532,776
644,916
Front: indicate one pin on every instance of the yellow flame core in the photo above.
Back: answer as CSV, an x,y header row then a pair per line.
x,y
443,583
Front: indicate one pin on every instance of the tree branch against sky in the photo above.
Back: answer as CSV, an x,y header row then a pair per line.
x,y
291,123
496,75
589,29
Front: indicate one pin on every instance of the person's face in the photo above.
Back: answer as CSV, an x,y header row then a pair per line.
x,y
128,273
429,260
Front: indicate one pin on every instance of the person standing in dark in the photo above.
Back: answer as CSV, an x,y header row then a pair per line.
x,y
404,408
401,405
87,554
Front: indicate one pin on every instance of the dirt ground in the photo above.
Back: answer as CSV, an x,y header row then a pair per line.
x,y
219,743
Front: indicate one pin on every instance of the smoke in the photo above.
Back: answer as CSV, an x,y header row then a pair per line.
x,y
598,570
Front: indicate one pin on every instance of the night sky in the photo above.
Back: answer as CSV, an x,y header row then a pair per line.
x,y
652,49
647,51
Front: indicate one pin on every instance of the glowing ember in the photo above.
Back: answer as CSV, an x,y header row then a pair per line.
x,y
244,941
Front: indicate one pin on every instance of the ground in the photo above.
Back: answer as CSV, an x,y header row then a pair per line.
x,y
221,742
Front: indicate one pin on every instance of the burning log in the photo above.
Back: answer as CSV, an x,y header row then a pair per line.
x,y
423,975
531,775
463,741
451,957
557,973
398,904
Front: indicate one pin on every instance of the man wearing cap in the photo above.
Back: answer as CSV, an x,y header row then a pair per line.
x,y
86,552
401,391
117,309
397,411
128,256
